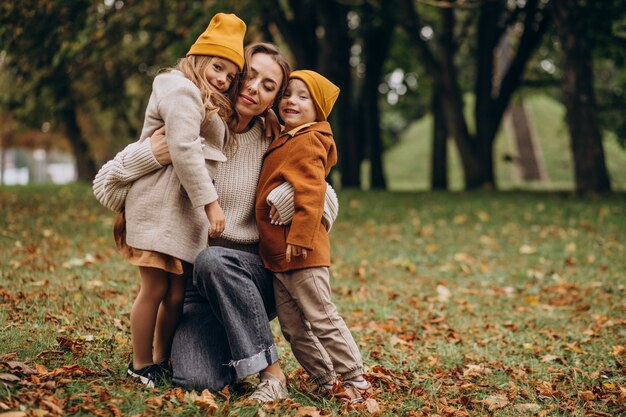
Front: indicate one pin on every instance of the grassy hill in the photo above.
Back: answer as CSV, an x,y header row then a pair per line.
x,y
407,164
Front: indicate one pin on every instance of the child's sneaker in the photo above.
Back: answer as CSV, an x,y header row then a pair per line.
x,y
166,369
357,390
151,375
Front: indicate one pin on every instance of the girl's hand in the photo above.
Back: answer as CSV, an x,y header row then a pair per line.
x,y
272,125
295,251
215,214
158,144
275,216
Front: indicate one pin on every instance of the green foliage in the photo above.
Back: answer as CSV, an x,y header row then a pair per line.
x,y
469,304
97,58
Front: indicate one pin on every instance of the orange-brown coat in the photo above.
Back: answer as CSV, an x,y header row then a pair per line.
x,y
304,160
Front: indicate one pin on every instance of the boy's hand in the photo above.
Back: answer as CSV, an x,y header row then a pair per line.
x,y
272,125
295,251
275,216
215,214
158,144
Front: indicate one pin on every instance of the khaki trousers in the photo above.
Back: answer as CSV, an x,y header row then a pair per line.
x,y
319,338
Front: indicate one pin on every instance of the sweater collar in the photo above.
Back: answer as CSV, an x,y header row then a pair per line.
x,y
253,134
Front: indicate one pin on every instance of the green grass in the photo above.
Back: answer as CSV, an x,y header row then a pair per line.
x,y
459,301
407,164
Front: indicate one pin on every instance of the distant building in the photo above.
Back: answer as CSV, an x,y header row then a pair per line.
x,y
21,166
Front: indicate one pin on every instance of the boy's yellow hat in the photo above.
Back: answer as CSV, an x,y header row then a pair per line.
x,y
223,38
324,92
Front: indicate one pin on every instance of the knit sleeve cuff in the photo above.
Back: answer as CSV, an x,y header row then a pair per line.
x,y
281,198
140,161
331,207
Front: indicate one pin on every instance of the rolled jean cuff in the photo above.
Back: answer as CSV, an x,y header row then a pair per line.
x,y
255,363
351,374
324,378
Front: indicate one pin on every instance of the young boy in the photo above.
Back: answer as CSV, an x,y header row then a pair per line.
x,y
299,254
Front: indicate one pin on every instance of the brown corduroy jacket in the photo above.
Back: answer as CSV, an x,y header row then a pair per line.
x,y
304,159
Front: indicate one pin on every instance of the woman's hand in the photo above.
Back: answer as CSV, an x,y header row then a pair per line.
x,y
275,216
217,222
272,125
294,250
158,144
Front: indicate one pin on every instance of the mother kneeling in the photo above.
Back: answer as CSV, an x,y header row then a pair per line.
x,y
224,334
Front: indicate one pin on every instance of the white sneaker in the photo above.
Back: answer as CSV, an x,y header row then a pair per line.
x,y
269,389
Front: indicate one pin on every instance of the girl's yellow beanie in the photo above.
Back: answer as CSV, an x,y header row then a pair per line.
x,y
223,37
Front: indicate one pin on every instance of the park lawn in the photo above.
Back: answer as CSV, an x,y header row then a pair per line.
x,y
464,304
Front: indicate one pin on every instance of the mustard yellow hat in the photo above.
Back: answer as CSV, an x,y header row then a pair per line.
x,y
324,92
223,38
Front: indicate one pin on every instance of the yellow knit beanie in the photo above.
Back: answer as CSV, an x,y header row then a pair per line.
x,y
223,38
324,92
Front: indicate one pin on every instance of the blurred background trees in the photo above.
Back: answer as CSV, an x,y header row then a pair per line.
x,y
79,73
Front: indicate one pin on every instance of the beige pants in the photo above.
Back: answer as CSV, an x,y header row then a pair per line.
x,y
319,338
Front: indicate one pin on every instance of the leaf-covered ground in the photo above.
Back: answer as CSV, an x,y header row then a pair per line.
x,y
464,304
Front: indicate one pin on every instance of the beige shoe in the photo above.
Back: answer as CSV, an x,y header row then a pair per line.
x,y
357,394
269,389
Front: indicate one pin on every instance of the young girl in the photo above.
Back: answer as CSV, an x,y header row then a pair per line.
x,y
169,214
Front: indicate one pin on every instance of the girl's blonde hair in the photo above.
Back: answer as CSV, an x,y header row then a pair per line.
x,y
194,67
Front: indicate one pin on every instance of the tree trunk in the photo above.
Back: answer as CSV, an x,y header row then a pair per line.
x,y
443,74
334,63
298,30
477,151
476,169
527,159
586,139
378,25
85,164
2,160
439,163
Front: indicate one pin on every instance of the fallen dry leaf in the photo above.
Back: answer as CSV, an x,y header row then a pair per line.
x,y
21,367
372,406
586,395
206,401
476,370
9,378
307,411
527,408
494,402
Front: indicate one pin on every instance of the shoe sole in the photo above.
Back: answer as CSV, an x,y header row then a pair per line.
x,y
144,380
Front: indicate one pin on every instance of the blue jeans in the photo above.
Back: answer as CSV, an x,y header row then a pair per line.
x,y
224,334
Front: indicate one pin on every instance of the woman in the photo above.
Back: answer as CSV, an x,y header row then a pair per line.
x,y
224,334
